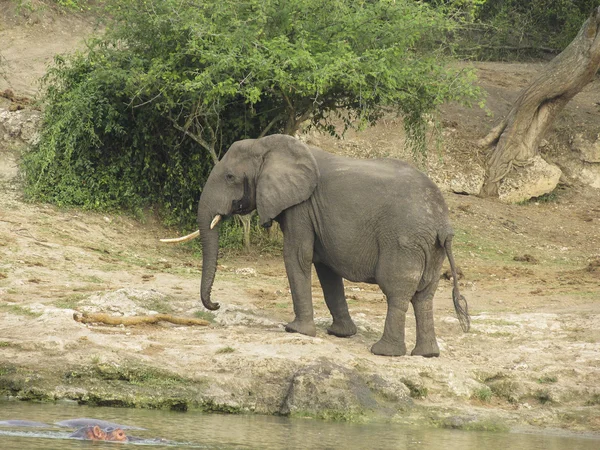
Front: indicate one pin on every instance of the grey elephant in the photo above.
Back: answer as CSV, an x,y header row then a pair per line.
x,y
374,221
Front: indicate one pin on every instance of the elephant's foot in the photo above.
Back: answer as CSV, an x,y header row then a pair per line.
x,y
302,327
426,350
386,348
342,328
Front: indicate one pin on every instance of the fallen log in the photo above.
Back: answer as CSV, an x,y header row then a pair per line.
x,y
136,320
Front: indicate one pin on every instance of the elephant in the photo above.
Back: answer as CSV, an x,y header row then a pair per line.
x,y
376,221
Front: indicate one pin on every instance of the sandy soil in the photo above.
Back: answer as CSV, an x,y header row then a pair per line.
x,y
31,34
531,276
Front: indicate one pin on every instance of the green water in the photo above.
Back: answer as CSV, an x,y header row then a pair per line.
x,y
215,431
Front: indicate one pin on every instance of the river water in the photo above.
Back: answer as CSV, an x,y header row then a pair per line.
x,y
217,431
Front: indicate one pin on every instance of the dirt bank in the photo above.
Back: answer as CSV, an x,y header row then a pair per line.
x,y
531,276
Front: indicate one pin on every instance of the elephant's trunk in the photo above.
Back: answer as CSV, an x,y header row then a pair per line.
x,y
210,251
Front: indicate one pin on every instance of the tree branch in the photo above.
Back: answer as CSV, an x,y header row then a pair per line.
x,y
304,116
494,134
271,124
146,102
512,48
198,139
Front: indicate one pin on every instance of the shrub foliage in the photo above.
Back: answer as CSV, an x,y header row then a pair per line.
x,y
140,117
514,29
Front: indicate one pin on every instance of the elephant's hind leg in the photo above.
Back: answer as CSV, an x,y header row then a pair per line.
x,y
333,290
423,305
392,342
399,287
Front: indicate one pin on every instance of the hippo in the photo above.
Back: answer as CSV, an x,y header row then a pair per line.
x,y
23,423
88,429
95,433
85,422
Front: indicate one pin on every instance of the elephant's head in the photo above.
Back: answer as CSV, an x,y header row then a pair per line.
x,y
269,174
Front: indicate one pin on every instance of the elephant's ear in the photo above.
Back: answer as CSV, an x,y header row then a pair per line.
x,y
288,176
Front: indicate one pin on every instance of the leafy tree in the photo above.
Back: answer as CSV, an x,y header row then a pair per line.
x,y
552,23
510,29
141,116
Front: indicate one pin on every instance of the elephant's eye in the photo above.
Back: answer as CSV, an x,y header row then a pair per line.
x,y
230,177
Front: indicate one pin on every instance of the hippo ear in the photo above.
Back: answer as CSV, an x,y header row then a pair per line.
x,y
288,175
97,432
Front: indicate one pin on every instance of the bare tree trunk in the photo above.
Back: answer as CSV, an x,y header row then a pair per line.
x,y
517,137
246,226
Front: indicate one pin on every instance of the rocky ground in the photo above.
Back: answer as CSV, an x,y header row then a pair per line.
x,y
531,276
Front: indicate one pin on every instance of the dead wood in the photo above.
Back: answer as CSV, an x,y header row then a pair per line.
x,y
136,320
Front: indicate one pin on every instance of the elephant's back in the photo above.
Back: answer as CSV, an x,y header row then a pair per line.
x,y
383,186
377,204
362,208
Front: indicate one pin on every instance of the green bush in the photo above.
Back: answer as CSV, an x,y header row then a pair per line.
x,y
78,5
483,394
140,117
231,236
68,5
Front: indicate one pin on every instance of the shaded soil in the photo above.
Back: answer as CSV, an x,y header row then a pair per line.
x,y
531,276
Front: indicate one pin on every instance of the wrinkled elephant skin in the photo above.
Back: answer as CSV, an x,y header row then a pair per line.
x,y
375,221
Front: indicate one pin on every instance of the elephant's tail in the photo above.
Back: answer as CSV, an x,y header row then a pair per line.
x,y
460,302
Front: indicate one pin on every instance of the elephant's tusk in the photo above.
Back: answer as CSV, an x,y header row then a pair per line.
x,y
189,237
215,221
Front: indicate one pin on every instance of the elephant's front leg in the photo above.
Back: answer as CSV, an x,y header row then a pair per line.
x,y
333,290
297,254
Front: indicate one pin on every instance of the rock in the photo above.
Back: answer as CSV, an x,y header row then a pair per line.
x,y
555,394
392,389
588,170
574,168
22,125
468,183
234,315
454,175
331,391
526,258
457,422
594,265
462,386
590,175
588,151
538,178
246,271
127,301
